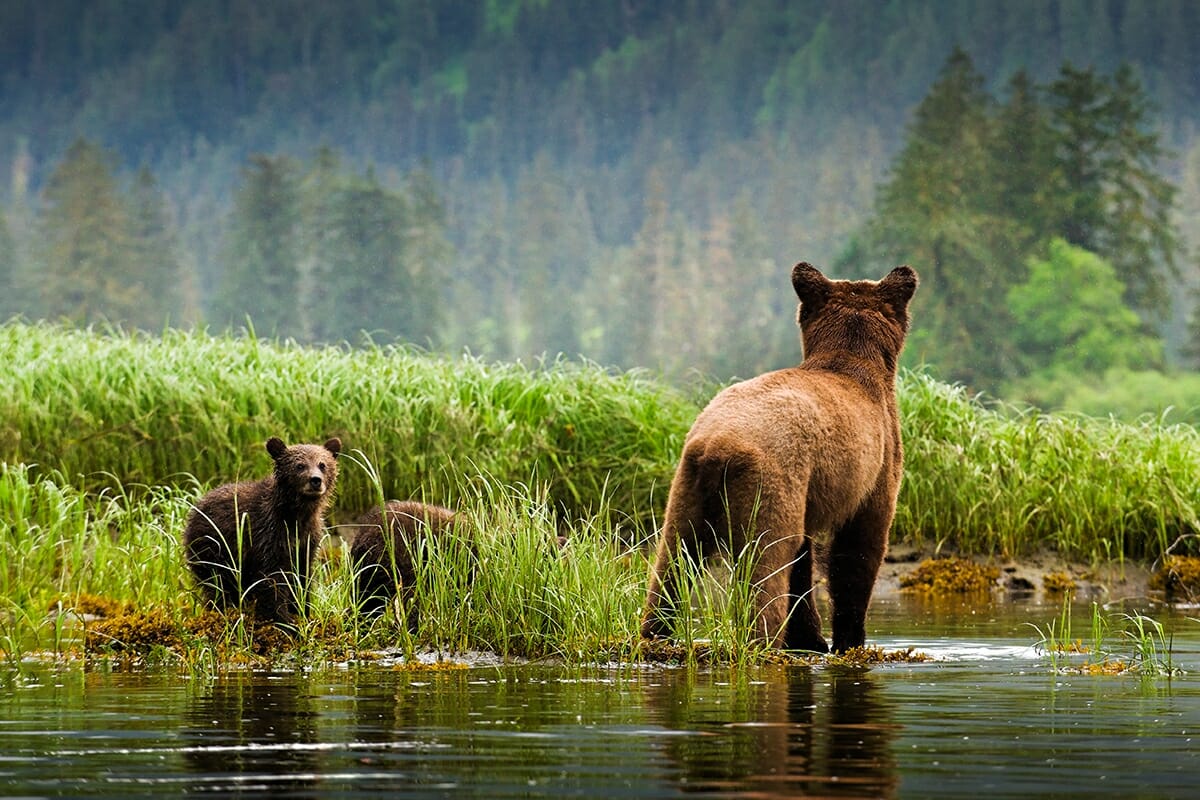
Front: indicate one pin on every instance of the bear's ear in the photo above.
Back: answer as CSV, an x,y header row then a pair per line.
x,y
811,286
334,446
899,285
276,447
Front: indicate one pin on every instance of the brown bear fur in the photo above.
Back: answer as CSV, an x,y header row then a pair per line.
x,y
382,555
279,518
804,456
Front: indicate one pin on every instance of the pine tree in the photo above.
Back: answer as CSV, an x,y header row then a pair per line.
x,y
1020,162
262,277
1108,195
85,246
936,213
362,280
428,254
154,261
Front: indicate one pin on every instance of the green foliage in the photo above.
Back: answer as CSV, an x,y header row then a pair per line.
x,y
85,229
190,409
1130,395
544,127
1106,193
262,274
1007,481
1093,332
978,192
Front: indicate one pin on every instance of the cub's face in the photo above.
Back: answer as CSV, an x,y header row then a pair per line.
x,y
307,470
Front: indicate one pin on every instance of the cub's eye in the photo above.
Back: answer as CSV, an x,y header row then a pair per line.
x,y
299,468
321,466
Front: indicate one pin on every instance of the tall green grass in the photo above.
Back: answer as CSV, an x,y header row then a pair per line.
x,y
520,594
112,410
1010,481
135,409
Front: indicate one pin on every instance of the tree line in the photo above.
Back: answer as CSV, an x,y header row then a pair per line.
x,y
312,251
1040,223
1045,228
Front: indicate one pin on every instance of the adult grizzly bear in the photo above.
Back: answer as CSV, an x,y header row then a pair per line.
x,y
381,553
801,454
253,542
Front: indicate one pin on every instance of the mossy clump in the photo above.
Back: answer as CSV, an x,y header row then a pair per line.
x,y
90,605
949,576
869,655
135,631
1178,578
138,633
1058,582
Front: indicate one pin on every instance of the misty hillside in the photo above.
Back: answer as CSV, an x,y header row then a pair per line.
x,y
606,172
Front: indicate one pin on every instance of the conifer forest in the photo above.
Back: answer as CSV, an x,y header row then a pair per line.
x,y
622,181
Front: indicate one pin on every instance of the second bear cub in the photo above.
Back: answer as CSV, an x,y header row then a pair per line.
x,y
385,540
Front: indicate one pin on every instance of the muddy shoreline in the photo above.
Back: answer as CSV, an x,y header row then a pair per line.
x,y
1039,573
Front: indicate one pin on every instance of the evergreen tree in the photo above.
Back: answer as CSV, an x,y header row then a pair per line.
x,y
154,259
935,212
262,277
85,248
10,303
428,254
1108,195
1021,162
362,280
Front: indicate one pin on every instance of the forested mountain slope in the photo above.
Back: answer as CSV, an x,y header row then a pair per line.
x,y
605,173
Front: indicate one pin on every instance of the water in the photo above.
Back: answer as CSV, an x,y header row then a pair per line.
x,y
988,716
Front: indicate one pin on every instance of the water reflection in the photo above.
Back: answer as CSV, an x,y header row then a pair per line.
x,y
251,732
798,732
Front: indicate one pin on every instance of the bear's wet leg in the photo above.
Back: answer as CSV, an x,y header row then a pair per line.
x,y
680,541
663,591
854,558
804,621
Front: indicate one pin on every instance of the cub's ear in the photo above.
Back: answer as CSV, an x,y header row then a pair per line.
x,y
334,446
899,285
811,286
276,447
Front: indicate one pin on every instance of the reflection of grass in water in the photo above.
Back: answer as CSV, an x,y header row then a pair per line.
x,y
1120,644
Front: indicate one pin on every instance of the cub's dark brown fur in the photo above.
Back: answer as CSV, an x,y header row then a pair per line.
x,y
381,554
252,543
802,456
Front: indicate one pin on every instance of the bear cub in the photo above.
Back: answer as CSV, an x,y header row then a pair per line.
x,y
381,552
252,543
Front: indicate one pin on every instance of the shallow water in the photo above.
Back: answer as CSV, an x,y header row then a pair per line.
x,y
988,716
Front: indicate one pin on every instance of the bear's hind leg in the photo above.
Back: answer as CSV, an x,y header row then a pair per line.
x,y
804,621
684,533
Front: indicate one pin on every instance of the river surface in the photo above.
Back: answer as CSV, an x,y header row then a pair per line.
x,y
988,716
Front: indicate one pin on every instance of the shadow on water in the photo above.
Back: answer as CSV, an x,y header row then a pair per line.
x,y
797,732
249,732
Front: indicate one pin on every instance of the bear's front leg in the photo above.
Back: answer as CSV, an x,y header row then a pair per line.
x,y
855,555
